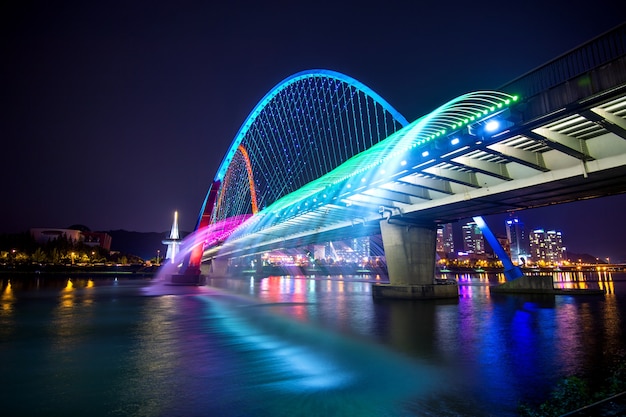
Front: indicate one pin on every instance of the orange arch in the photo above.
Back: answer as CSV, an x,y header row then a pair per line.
x,y
225,184
244,152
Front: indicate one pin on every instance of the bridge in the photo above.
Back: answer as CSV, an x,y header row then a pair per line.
x,y
323,157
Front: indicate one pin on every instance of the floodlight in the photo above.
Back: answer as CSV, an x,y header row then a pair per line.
x,y
492,126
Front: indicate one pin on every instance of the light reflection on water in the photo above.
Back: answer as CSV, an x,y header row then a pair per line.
x,y
296,346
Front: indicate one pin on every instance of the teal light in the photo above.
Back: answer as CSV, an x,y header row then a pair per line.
x,y
384,153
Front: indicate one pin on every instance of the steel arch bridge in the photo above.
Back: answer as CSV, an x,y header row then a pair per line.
x,y
306,126
311,139
321,153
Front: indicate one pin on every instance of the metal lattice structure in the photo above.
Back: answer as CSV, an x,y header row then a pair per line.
x,y
306,126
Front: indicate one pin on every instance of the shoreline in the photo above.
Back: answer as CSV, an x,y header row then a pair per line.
x,y
80,271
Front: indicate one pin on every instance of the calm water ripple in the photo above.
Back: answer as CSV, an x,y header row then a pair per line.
x,y
303,346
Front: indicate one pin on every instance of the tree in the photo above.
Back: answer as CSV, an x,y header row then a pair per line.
x,y
39,256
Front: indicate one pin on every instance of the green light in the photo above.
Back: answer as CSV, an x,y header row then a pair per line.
x,y
515,98
492,108
507,101
499,105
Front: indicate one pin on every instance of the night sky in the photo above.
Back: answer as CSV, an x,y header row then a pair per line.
x,y
115,114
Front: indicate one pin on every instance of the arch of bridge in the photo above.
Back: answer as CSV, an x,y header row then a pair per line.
x,y
303,128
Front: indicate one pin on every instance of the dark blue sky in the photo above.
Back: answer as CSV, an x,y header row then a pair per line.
x,y
115,114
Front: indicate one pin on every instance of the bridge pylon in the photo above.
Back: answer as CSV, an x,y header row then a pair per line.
x,y
410,249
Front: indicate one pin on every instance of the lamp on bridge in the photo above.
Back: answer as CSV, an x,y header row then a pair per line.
x,y
493,126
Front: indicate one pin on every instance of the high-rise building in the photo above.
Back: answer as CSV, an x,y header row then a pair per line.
x,y
547,246
516,235
445,239
355,250
361,248
473,240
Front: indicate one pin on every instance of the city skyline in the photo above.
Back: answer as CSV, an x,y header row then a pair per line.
x,y
117,115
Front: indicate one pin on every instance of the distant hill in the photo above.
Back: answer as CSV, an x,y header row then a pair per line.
x,y
584,258
144,245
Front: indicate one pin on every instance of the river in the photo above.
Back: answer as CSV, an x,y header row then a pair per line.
x,y
295,346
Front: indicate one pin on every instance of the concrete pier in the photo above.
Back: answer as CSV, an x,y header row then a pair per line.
x,y
538,285
218,267
410,249
187,279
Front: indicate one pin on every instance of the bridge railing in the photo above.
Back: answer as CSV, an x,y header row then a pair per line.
x,y
596,66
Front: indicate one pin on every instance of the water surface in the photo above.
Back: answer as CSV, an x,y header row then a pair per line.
x,y
295,346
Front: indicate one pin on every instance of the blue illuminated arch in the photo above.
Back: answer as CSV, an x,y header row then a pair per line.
x,y
282,85
304,127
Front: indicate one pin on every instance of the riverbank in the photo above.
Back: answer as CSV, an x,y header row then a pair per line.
x,y
79,270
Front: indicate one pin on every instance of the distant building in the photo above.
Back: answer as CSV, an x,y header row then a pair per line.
x,y
473,239
355,250
43,235
361,248
504,242
100,239
547,246
516,236
445,239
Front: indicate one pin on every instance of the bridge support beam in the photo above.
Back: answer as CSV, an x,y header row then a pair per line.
x,y
511,271
410,250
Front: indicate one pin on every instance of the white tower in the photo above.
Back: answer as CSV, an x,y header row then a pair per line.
x,y
174,240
